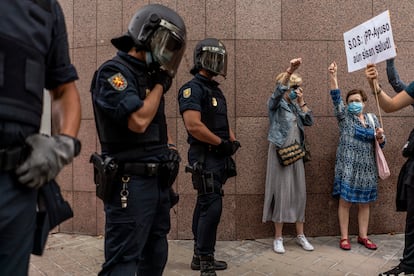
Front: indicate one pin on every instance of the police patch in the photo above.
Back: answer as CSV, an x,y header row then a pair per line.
x,y
187,93
118,82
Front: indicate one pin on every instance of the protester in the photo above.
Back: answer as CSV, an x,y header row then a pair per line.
x,y
285,192
356,174
129,105
34,55
406,177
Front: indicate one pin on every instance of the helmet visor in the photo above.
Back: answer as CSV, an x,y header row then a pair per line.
x,y
214,59
167,47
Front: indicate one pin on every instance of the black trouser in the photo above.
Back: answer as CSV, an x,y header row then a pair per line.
x,y
17,225
208,209
136,236
408,256
206,217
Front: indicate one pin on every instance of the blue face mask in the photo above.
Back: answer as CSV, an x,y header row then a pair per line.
x,y
293,95
355,108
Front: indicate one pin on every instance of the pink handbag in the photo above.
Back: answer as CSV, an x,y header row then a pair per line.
x,y
383,170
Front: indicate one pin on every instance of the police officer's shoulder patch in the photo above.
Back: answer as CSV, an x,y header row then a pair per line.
x,y
187,93
118,82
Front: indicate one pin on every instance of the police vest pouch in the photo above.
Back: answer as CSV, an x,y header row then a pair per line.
x,y
230,167
290,154
104,171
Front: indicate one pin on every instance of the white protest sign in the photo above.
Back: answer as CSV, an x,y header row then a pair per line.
x,y
370,42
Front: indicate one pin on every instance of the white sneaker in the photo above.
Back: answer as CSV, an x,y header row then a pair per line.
x,y
302,241
278,246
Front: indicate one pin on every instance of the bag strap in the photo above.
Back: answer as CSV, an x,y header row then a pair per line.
x,y
371,119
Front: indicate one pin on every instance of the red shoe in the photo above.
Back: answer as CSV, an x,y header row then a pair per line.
x,y
367,243
345,244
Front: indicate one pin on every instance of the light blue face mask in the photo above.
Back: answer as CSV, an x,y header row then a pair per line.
x,y
355,108
293,95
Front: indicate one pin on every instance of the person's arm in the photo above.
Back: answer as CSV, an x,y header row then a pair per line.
x,y
393,78
194,125
294,65
170,142
339,106
139,120
333,69
387,103
232,136
66,108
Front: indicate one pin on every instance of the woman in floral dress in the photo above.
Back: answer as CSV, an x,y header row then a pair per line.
x,y
356,174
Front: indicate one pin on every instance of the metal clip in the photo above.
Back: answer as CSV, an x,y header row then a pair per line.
x,y
124,192
151,169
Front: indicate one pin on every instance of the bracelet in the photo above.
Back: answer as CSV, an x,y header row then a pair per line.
x,y
303,105
172,146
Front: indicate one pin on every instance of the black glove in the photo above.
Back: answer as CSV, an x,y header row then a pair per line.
x,y
162,77
48,156
236,146
227,147
174,156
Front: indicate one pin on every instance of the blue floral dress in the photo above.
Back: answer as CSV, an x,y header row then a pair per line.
x,y
356,174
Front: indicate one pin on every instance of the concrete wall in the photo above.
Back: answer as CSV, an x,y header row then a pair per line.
x,y
261,37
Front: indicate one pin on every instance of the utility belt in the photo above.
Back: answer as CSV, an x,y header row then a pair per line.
x,y
107,169
11,158
142,169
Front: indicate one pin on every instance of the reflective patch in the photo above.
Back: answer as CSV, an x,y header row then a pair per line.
x,y
187,93
214,101
118,82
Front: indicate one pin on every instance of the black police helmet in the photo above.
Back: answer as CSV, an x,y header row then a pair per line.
x,y
159,30
210,54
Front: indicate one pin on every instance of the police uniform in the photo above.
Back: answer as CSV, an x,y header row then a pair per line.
x,y
33,55
137,233
204,95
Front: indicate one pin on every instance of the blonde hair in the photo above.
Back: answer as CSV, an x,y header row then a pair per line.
x,y
295,79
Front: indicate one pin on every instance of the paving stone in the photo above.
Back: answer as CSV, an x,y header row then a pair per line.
x,y
81,255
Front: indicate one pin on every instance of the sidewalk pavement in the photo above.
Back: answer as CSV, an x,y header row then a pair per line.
x,y
69,254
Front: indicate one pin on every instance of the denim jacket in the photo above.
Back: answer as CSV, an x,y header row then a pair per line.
x,y
279,110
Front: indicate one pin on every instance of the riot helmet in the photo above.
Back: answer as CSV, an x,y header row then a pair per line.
x,y
211,55
158,30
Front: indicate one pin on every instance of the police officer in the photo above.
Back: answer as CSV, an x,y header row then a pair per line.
x,y
33,55
128,99
212,142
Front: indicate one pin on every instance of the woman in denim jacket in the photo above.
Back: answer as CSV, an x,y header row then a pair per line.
x,y
285,192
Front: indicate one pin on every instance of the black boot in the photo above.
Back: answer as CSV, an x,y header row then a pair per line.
x,y
207,266
218,265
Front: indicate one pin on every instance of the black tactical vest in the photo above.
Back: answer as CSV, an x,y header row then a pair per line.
x,y
25,37
214,109
115,137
